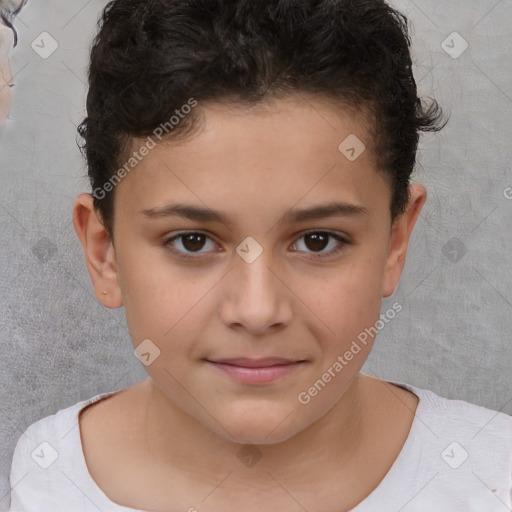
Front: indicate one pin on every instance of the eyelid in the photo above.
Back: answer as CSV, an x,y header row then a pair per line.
x,y
341,238
167,240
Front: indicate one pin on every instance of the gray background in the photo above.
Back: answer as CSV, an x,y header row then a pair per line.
x,y
60,346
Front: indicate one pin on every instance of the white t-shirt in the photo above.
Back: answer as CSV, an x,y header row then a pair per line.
x,y
457,458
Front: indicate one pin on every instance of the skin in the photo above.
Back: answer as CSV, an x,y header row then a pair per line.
x,y
254,165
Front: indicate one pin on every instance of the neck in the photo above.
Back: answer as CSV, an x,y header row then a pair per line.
x,y
331,445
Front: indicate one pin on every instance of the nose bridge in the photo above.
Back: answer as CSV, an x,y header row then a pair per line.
x,y
256,275
253,271
257,299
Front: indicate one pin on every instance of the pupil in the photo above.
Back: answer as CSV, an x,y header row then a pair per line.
x,y
195,241
316,237
192,247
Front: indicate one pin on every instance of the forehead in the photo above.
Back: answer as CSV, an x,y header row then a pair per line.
x,y
301,120
288,148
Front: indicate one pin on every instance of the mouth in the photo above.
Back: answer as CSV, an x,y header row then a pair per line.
x,y
256,371
256,363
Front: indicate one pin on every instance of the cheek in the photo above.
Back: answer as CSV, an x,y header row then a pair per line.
x,y
355,288
162,301
344,304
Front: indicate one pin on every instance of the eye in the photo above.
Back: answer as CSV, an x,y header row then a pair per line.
x,y
186,244
189,241
316,240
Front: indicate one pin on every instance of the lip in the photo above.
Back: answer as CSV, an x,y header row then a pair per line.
x,y
256,371
255,363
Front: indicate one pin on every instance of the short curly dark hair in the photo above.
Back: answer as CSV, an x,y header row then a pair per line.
x,y
150,57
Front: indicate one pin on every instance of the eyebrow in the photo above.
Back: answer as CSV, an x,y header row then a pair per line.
x,y
197,213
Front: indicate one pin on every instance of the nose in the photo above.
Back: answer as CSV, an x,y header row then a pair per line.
x,y
256,298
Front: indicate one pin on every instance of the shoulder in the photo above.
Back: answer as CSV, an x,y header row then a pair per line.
x,y
458,455
467,420
466,448
46,456
44,437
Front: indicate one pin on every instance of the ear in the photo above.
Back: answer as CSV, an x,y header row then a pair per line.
x,y
98,250
399,239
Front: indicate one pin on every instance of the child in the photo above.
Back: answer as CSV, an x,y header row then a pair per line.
x,y
256,130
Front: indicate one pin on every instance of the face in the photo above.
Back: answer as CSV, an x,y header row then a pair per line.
x,y
249,273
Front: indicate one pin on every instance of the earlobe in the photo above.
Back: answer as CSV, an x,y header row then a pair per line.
x,y
399,240
98,250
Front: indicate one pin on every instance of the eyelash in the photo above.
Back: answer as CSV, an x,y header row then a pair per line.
x,y
187,256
